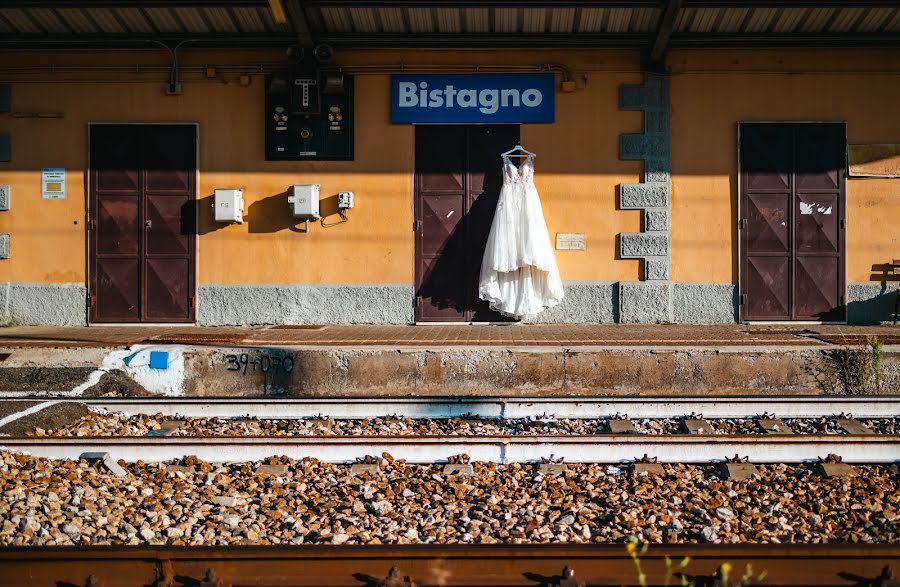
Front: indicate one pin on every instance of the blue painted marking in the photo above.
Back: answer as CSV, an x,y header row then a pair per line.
x,y
159,360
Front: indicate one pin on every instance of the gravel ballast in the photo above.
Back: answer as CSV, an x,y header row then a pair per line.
x,y
47,502
115,424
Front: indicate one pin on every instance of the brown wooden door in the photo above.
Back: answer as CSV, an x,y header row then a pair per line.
x,y
792,178
143,219
457,184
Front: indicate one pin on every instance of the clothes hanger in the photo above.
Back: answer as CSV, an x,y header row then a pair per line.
x,y
518,151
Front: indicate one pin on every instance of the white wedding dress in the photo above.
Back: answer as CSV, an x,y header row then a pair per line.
x,y
519,277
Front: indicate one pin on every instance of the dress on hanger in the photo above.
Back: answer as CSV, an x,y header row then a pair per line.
x,y
519,276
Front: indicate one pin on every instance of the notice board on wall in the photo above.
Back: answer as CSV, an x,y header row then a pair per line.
x,y
875,160
53,183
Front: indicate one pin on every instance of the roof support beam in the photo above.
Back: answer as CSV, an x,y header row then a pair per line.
x,y
664,31
299,23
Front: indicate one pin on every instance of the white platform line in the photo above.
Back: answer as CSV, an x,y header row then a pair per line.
x,y
26,412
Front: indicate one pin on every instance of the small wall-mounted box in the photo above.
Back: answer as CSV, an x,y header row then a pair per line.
x,y
229,205
345,200
4,197
305,200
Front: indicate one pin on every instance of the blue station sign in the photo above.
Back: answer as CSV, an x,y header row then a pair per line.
x,y
478,98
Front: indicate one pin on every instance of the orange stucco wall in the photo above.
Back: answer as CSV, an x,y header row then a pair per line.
x,y
712,91
578,169
577,166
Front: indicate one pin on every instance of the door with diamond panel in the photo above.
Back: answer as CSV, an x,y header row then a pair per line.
x,y
791,225
142,229
457,185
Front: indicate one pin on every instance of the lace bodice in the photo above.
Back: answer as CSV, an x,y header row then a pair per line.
x,y
524,173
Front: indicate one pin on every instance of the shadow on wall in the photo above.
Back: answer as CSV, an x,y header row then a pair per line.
x,y
206,220
872,303
272,214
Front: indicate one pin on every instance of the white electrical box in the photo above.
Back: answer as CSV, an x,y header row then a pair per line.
x,y
229,205
345,200
305,200
4,197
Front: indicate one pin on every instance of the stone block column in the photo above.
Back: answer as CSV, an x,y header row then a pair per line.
x,y
648,300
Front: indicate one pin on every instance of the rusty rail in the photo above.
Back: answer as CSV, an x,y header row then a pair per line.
x,y
594,448
430,565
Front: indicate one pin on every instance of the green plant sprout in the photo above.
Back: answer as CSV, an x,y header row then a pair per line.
x,y
722,578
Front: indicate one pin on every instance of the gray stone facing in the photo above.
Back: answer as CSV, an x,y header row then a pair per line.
x,y
656,170
870,302
656,220
643,195
705,303
636,245
584,302
56,304
643,146
645,302
639,96
4,246
656,268
234,305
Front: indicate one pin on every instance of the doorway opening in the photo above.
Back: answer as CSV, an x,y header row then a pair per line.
x,y
792,221
142,229
458,177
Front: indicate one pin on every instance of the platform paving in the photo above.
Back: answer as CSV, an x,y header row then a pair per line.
x,y
449,335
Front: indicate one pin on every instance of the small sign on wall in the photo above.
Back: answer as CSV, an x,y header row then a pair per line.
x,y
569,241
53,183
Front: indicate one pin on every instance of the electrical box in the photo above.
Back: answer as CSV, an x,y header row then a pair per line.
x,y
229,205
5,194
345,200
309,114
305,200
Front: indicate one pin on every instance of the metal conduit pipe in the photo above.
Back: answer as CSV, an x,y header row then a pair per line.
x,y
13,73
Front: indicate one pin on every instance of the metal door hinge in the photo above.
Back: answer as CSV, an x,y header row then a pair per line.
x,y
194,302
743,299
417,225
742,224
92,300
843,223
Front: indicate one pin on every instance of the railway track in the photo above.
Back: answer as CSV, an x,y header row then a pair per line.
x,y
427,565
607,448
496,406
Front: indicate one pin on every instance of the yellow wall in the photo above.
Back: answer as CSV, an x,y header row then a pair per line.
x,y
577,165
578,169
712,91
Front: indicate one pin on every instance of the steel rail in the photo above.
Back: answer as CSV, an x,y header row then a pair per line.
x,y
644,406
433,565
598,448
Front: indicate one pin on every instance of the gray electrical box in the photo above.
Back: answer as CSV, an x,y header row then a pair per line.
x,y
4,197
5,149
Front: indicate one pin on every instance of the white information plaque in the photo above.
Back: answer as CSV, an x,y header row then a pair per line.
x,y
53,183
569,241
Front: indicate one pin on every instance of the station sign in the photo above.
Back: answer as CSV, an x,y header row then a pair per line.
x,y
478,98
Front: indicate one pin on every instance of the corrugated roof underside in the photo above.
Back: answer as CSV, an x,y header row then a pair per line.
x,y
130,20
370,20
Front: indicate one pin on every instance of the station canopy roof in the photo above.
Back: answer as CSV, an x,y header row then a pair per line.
x,y
652,25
